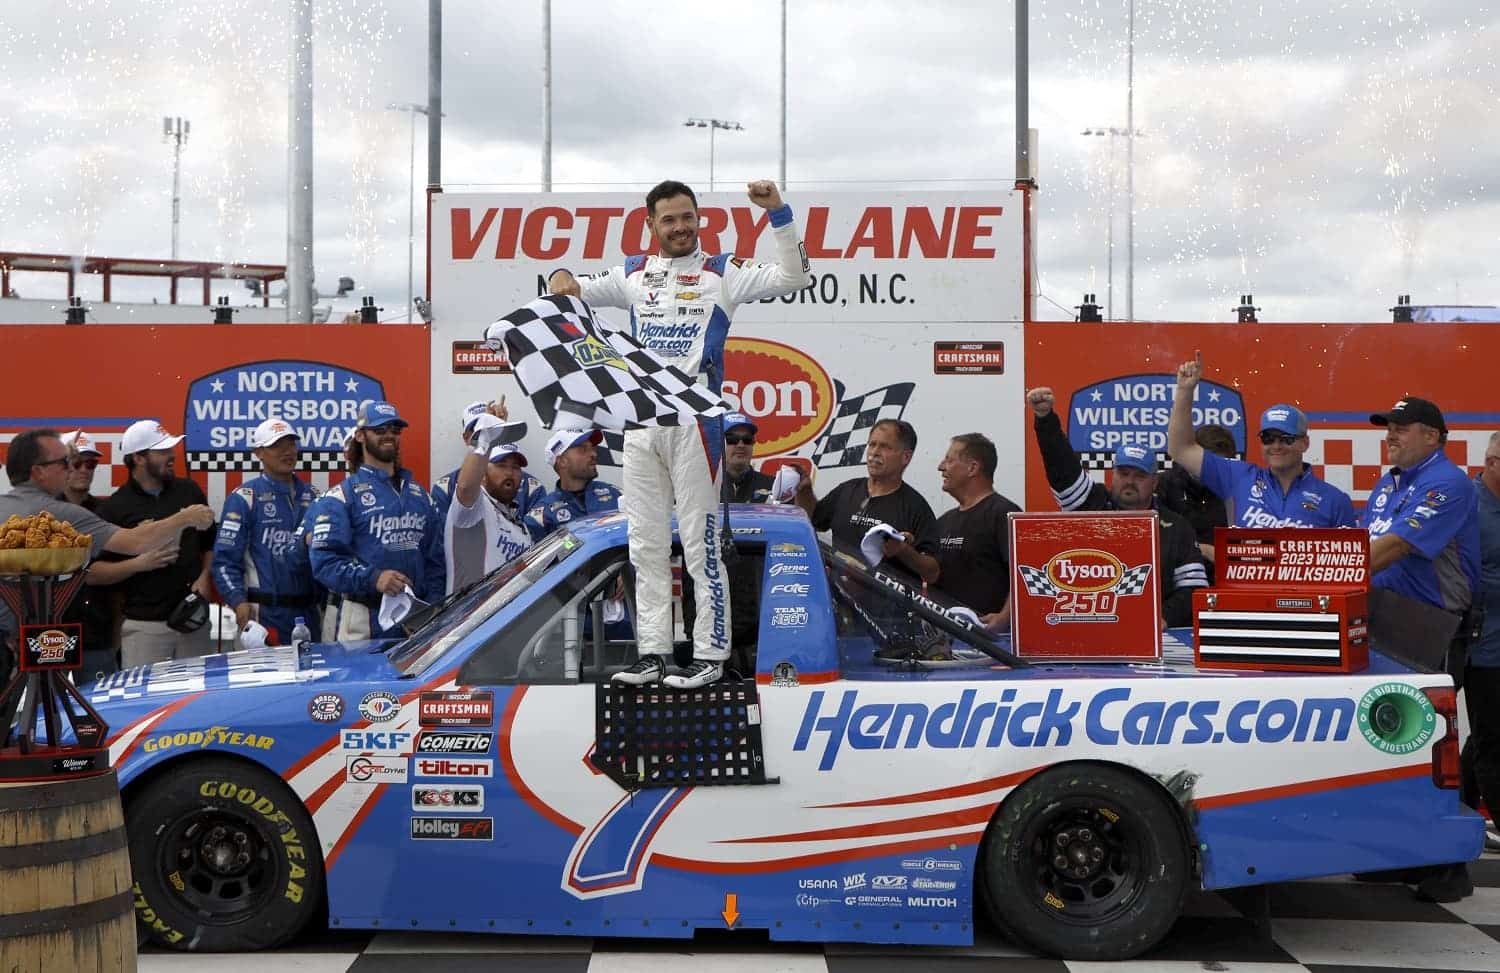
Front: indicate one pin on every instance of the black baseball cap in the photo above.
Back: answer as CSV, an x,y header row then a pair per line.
x,y
1412,409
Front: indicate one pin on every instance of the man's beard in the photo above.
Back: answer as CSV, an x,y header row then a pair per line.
x,y
382,453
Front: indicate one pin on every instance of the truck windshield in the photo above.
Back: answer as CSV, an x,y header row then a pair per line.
x,y
448,623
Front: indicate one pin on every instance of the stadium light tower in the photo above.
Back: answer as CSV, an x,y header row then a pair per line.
x,y
413,111
713,124
175,130
1112,132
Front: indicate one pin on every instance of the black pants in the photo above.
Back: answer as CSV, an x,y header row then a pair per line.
x,y
1480,762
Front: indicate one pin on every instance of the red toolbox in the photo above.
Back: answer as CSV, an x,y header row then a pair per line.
x,y
1288,599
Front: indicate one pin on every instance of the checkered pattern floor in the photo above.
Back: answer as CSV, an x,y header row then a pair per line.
x,y
1333,926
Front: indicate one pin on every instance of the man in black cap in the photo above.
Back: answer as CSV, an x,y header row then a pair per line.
x,y
1423,519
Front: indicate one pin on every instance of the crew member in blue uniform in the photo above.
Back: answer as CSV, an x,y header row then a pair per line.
x,y
1423,518
260,566
1283,493
579,492
374,534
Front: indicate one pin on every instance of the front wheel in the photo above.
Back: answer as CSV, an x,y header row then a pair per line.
x,y
1086,862
224,858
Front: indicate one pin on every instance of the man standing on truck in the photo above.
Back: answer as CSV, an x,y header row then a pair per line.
x,y
1423,519
681,302
1283,493
1131,488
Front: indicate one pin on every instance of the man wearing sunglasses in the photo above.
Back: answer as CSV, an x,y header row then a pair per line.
x,y
1283,493
374,534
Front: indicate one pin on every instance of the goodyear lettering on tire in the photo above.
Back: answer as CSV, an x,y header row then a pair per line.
x,y
291,842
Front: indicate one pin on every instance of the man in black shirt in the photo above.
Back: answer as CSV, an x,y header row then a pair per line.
x,y
974,537
882,497
743,483
1131,488
155,492
1179,491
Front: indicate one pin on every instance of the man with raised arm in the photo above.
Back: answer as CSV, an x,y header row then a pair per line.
x,y
681,302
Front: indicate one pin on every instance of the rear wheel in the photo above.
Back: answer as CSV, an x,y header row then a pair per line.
x,y
1086,862
224,858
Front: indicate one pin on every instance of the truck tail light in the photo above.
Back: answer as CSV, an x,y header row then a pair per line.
x,y
1445,770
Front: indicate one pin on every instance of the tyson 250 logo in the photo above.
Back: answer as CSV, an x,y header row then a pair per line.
x,y
786,392
1085,584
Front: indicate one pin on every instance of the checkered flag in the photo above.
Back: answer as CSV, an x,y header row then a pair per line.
x,y
580,373
843,442
611,450
1133,581
1036,581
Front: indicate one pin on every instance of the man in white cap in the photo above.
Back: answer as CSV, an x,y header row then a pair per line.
x,y
579,492
260,565
154,598
531,491
484,529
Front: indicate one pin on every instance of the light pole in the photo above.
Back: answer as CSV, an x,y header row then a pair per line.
x,y
1130,163
546,96
175,130
1112,132
413,111
712,124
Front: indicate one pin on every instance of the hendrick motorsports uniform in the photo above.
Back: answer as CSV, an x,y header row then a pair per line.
x,y
530,494
367,524
1433,508
1182,567
681,308
1253,498
259,556
560,506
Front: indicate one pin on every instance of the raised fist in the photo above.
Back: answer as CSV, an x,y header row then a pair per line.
x,y
1041,401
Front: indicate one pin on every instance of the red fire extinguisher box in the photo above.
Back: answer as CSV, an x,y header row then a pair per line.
x,y
1084,586
1288,599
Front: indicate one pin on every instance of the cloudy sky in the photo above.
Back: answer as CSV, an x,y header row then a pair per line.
x,y
1325,157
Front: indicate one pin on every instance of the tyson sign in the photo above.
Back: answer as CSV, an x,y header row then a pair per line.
x,y
786,392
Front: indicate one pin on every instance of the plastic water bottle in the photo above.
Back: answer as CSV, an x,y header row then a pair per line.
x,y
300,634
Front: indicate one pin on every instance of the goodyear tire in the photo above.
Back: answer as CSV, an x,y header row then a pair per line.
x,y
224,858
1086,862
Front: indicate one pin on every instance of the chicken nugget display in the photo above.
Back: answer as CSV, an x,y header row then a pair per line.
x,y
14,538
40,532
59,541
82,540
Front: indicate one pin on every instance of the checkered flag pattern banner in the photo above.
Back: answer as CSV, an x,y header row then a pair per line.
x,y
1038,585
611,449
1133,581
843,442
581,373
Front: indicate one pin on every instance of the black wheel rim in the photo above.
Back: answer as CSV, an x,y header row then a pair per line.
x,y
218,865
1088,861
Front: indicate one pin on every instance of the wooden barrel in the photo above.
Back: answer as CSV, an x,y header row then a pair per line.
x,y
65,890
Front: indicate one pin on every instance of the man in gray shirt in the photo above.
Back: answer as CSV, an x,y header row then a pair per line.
x,y
37,464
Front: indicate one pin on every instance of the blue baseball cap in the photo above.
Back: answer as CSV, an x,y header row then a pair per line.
x,y
503,450
374,414
733,420
1138,457
1284,418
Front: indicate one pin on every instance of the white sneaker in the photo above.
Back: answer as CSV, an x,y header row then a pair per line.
x,y
695,675
647,670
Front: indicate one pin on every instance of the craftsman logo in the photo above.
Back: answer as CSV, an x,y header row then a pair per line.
x,y
460,829
453,741
1396,718
478,358
1294,603
318,400
57,646
442,797
380,707
790,396
375,770
456,709
450,767
968,357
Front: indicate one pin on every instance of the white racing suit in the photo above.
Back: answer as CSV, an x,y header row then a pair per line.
x,y
681,308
